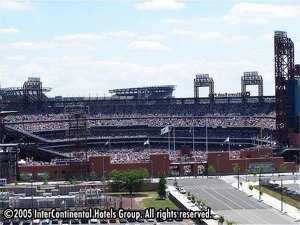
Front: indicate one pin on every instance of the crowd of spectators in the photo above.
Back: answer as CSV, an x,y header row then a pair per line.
x,y
131,155
97,111
224,122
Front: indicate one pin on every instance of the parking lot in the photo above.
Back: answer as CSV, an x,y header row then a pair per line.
x,y
273,177
233,204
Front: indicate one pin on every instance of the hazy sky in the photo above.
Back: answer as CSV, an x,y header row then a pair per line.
x,y
88,47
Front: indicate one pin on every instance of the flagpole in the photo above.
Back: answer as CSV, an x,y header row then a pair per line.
x,y
169,143
109,144
193,139
174,138
206,142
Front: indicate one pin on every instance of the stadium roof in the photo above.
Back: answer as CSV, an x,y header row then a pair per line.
x,y
152,92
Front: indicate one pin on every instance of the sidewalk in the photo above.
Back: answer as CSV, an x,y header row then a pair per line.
x,y
188,204
267,199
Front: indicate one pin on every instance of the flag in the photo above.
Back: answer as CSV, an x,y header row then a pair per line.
x,y
147,142
227,140
106,143
165,130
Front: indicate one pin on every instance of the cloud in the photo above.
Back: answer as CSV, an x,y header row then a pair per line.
x,y
98,76
118,34
254,13
160,4
15,58
10,30
147,45
75,44
154,37
266,37
79,37
95,37
173,21
15,5
30,45
202,35
260,13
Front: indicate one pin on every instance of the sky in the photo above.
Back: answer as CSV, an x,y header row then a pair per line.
x,y
82,47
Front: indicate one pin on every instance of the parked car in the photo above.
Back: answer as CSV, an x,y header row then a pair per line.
x,y
182,190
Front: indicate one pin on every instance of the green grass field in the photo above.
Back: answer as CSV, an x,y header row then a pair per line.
x,y
157,203
277,195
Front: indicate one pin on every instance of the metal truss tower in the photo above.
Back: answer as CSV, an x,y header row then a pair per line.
x,y
203,80
33,88
252,78
78,130
284,70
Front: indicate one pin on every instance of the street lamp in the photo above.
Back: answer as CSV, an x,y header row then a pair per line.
x,y
296,163
281,197
246,169
31,181
103,182
93,172
151,170
238,175
164,164
218,156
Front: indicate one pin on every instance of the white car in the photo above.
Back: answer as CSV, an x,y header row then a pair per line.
x,y
36,222
182,190
94,221
214,215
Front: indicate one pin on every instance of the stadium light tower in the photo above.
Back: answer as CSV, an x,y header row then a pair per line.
x,y
284,71
203,80
252,78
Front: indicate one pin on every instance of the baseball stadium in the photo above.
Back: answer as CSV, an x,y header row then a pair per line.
x,y
148,127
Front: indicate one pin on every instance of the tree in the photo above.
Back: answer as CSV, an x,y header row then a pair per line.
x,y
162,185
93,175
236,169
199,202
170,172
24,176
282,167
230,222
261,169
221,219
46,177
250,188
128,179
175,183
193,198
254,174
211,170
73,180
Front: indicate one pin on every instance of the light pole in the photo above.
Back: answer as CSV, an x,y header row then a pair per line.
x,y
246,169
296,163
152,170
164,165
238,175
103,182
281,197
93,172
218,156
31,181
